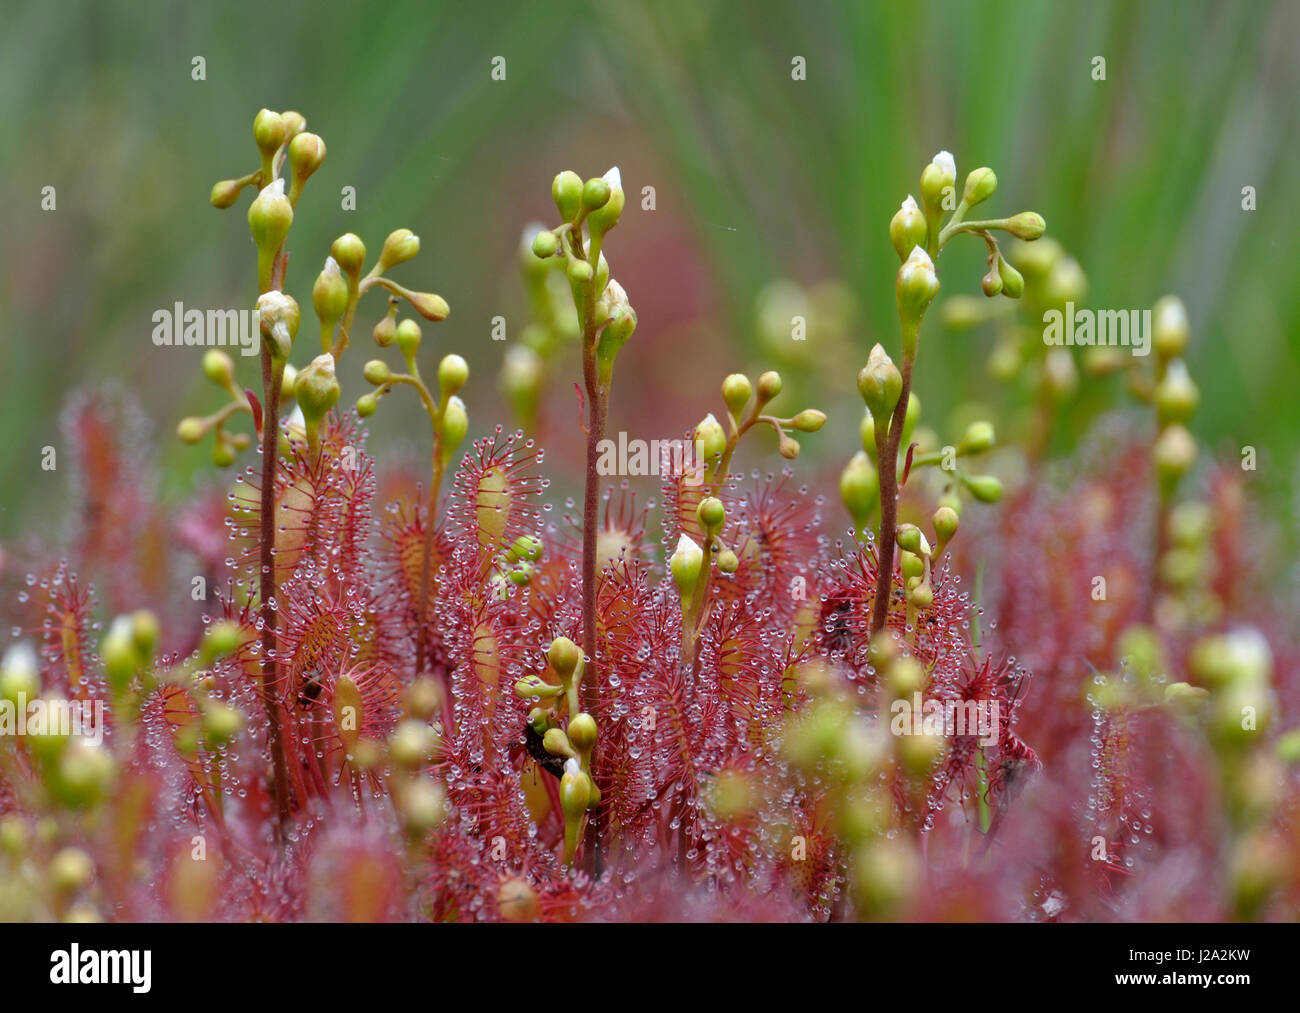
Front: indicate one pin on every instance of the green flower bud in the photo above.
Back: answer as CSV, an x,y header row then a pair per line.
x,y
1176,395
218,367
367,405
1175,453
581,274
385,332
294,123
788,448
915,288
349,252
685,564
978,438
556,742
880,383
595,192
221,723
728,561
567,190
191,429
423,806
860,489
455,424
545,244
921,596
736,391
1013,282
563,655
1169,329
453,374
907,229
429,305
145,632
278,316
269,132
980,184
769,386
225,193
221,639
411,744
603,217
70,870
376,371
712,440
582,732
984,488
991,283
867,431
269,218
1028,225
936,179
408,337
527,547
400,246
711,513
808,421
912,540
119,654
306,153
329,297
223,453
945,523
317,389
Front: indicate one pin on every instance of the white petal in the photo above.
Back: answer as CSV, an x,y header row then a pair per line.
x,y
614,178
946,162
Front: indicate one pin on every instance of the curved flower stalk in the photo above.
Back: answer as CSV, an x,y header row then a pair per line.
x,y
281,138
919,235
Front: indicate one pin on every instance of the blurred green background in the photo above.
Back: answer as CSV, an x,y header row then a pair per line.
x,y
757,177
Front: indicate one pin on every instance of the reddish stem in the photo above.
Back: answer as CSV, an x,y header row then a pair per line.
x,y
887,453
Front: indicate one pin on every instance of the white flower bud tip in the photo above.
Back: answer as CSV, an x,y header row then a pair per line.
x,y
946,162
614,178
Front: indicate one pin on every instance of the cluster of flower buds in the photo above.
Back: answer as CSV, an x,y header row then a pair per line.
x,y
220,369
1051,279
746,403
574,742
446,410
1173,393
588,211
517,565
553,327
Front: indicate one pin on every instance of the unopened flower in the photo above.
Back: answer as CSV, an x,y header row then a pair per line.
x,y
685,564
908,228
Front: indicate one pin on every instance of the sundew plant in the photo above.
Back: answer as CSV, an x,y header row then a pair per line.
x,y
955,685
